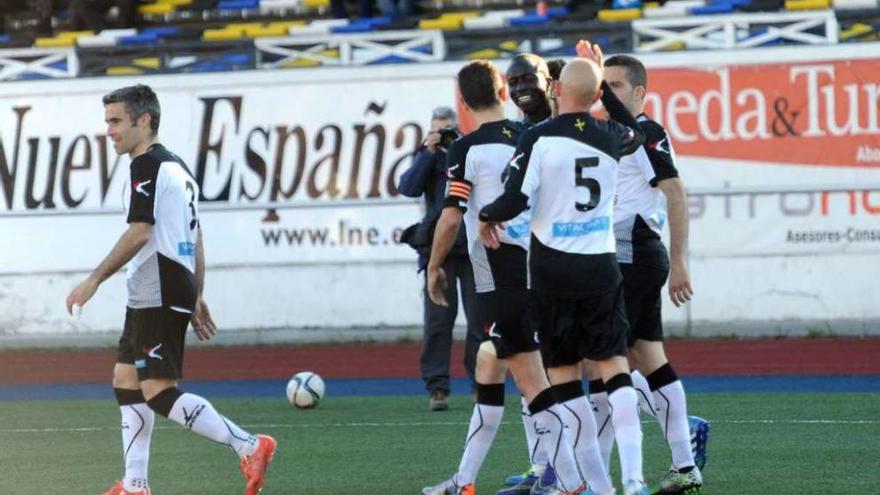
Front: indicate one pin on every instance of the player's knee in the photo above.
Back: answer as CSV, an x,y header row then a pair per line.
x,y
490,369
647,356
154,387
125,377
564,374
161,402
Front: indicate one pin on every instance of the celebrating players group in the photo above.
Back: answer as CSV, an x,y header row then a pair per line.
x,y
564,239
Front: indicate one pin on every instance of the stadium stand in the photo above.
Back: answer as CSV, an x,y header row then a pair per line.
x,y
37,41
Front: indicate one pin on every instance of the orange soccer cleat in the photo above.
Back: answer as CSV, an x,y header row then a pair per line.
x,y
254,466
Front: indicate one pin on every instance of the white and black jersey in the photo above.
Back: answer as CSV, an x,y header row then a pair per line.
x,y
640,209
163,193
566,168
476,165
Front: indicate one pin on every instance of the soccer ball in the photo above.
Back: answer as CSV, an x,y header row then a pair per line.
x,y
305,390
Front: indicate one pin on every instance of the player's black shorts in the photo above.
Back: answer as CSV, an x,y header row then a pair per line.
x,y
572,329
507,321
642,291
152,341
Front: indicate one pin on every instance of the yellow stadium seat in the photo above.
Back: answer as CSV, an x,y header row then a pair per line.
x,y
176,3
316,4
156,8
74,34
511,45
459,15
618,15
300,62
807,4
855,31
222,34
488,53
147,62
442,24
122,70
263,31
652,5
54,42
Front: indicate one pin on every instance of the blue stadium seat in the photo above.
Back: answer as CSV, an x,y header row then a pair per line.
x,y
4,39
238,4
362,25
139,39
555,12
161,31
528,20
714,8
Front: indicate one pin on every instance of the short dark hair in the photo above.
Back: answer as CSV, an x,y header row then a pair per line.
x,y
139,99
479,83
635,70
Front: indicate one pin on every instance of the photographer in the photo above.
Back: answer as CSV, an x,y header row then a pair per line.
x,y
427,176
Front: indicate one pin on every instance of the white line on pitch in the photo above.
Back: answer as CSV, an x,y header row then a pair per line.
x,y
441,423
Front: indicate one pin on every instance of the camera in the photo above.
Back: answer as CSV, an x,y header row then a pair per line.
x,y
447,136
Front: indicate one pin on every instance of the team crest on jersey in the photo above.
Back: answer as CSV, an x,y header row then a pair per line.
x,y
139,187
580,124
506,132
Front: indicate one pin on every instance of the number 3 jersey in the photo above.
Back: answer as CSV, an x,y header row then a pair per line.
x,y
163,193
566,168
476,165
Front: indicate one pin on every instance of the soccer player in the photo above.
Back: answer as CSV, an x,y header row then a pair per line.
x,y
648,187
565,169
166,269
476,163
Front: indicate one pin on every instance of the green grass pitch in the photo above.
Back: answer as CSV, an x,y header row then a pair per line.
x,y
761,444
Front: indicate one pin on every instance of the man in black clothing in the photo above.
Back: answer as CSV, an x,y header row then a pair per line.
x,y
427,176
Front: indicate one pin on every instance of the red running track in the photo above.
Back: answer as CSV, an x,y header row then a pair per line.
x,y
690,357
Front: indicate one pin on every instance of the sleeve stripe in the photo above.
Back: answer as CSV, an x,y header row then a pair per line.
x,y
459,192
460,183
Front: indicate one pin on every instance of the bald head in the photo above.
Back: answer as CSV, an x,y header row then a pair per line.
x,y
579,84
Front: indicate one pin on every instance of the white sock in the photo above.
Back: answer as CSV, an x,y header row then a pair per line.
x,y
137,431
672,416
646,397
602,411
627,432
198,415
484,424
557,443
578,417
537,456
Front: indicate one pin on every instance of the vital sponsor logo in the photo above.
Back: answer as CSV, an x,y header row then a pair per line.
x,y
580,229
186,249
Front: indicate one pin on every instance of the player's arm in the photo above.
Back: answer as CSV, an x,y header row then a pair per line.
x,y
140,227
202,322
629,133
458,193
661,172
680,290
444,238
519,185
131,241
